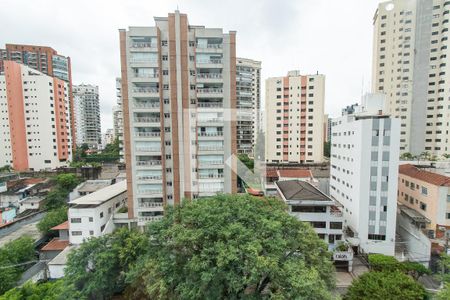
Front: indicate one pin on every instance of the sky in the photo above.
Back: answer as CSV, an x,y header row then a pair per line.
x,y
326,36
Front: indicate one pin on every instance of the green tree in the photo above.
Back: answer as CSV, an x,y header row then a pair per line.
x,y
56,198
36,291
380,262
51,219
97,269
12,255
247,161
407,156
376,285
232,247
444,294
67,181
327,149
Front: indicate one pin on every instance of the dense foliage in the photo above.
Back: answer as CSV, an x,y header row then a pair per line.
x,y
36,291
98,268
232,247
110,154
12,256
327,149
247,161
58,197
392,285
380,262
51,219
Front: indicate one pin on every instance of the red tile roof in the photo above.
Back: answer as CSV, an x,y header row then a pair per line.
x,y
427,176
295,173
55,245
271,173
62,226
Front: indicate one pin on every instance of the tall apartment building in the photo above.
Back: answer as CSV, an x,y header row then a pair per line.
x,y
248,94
179,101
118,119
35,129
46,60
363,177
410,66
87,115
294,118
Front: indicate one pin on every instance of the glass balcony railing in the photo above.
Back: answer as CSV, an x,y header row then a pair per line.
x,y
149,163
146,105
148,149
151,204
210,91
217,133
150,219
212,176
211,162
210,104
210,75
146,120
149,191
210,148
145,90
143,45
211,120
150,177
210,61
147,134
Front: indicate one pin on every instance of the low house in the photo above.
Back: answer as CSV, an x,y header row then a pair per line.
x,y
309,204
57,244
7,214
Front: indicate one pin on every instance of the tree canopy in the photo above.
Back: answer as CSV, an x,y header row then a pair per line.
x,y
384,285
232,247
36,291
12,255
51,219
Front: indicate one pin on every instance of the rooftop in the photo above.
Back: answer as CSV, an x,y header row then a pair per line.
x,y
300,190
413,214
427,176
91,186
62,226
56,245
102,195
295,173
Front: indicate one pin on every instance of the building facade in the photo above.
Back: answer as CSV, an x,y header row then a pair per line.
x,y
108,137
248,95
409,66
87,115
179,101
36,132
308,204
118,119
363,178
47,61
427,193
294,118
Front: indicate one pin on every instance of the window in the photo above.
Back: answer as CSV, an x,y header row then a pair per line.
x,y
101,215
76,233
424,191
91,232
423,206
75,220
377,237
309,209
318,224
335,225
91,219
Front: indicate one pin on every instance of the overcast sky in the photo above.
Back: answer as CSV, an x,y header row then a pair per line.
x,y
328,36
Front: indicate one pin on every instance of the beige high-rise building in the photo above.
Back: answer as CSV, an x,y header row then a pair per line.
x,y
248,94
410,66
179,101
294,118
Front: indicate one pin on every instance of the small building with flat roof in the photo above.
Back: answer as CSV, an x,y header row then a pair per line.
x,y
92,215
309,204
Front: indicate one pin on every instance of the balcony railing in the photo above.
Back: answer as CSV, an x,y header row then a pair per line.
x,y
151,204
148,149
212,176
143,45
148,163
145,90
211,162
146,105
150,177
137,75
210,61
140,60
211,120
150,219
218,105
149,191
210,190
210,91
336,213
147,134
210,75
147,120
218,133
210,148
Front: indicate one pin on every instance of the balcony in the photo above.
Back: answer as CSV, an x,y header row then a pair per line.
x,y
210,104
209,76
210,148
147,134
146,76
142,90
149,191
210,163
149,163
150,219
148,149
151,205
210,176
147,120
149,177
210,91
209,62
211,134
146,105
145,45
211,120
